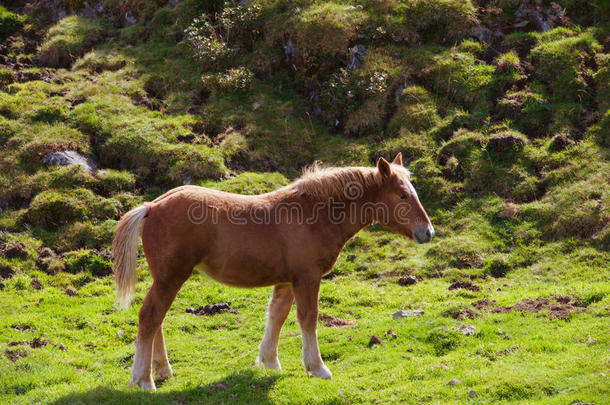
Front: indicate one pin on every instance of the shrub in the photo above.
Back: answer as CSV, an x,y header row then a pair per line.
x,y
49,114
87,260
70,38
531,111
67,177
160,161
443,21
561,64
233,79
417,112
112,181
51,209
443,341
6,77
84,235
99,61
496,266
214,43
320,33
9,22
48,139
462,78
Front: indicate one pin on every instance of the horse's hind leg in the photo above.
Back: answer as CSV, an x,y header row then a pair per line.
x,y
279,308
161,365
154,308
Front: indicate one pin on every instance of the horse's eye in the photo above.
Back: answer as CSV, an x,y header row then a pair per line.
x,y
403,196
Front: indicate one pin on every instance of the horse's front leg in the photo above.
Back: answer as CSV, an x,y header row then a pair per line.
x,y
279,308
306,295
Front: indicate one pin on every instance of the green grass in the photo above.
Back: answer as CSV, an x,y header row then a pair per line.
x,y
541,361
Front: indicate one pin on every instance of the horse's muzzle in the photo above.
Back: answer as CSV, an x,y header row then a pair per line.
x,y
424,234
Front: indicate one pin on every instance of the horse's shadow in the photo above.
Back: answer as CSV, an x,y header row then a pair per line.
x,y
243,387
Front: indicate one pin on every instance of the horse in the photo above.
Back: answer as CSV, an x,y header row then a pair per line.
x,y
288,238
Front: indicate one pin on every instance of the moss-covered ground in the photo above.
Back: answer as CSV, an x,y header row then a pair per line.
x,y
505,126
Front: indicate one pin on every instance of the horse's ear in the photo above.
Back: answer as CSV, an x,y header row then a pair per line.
x,y
398,159
384,167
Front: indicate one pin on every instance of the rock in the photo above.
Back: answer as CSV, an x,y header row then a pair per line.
x,y
3,205
374,340
62,347
453,382
404,314
6,272
130,19
211,309
506,141
290,51
36,284
15,250
357,54
506,336
407,280
560,142
471,393
481,33
71,292
467,330
391,333
69,157
591,340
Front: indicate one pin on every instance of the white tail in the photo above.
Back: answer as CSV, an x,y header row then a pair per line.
x,y
125,254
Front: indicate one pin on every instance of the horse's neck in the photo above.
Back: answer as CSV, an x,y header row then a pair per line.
x,y
348,217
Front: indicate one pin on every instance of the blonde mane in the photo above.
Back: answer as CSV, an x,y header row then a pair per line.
x,y
322,183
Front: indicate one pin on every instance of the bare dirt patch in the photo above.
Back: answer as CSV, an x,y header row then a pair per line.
x,y
20,327
331,322
14,355
465,314
561,307
407,280
6,272
466,285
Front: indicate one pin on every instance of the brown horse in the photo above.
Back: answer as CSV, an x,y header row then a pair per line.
x,y
288,238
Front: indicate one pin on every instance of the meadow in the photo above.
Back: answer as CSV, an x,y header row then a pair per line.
x,y
502,112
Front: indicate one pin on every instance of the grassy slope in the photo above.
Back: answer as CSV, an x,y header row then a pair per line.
x,y
142,91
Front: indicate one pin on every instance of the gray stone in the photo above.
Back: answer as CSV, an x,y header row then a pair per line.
x,y
357,54
69,157
467,330
404,314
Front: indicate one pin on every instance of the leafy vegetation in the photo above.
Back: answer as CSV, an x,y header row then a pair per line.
x,y
504,124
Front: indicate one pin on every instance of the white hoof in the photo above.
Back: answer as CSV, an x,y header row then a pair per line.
x,y
321,372
148,385
273,363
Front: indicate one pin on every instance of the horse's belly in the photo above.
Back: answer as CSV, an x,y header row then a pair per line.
x,y
243,273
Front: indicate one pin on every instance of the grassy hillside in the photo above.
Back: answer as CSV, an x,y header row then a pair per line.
x,y
501,109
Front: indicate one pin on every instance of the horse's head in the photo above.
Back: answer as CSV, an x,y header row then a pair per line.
x,y
405,214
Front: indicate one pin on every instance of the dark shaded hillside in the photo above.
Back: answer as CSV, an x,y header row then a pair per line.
x,y
501,109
